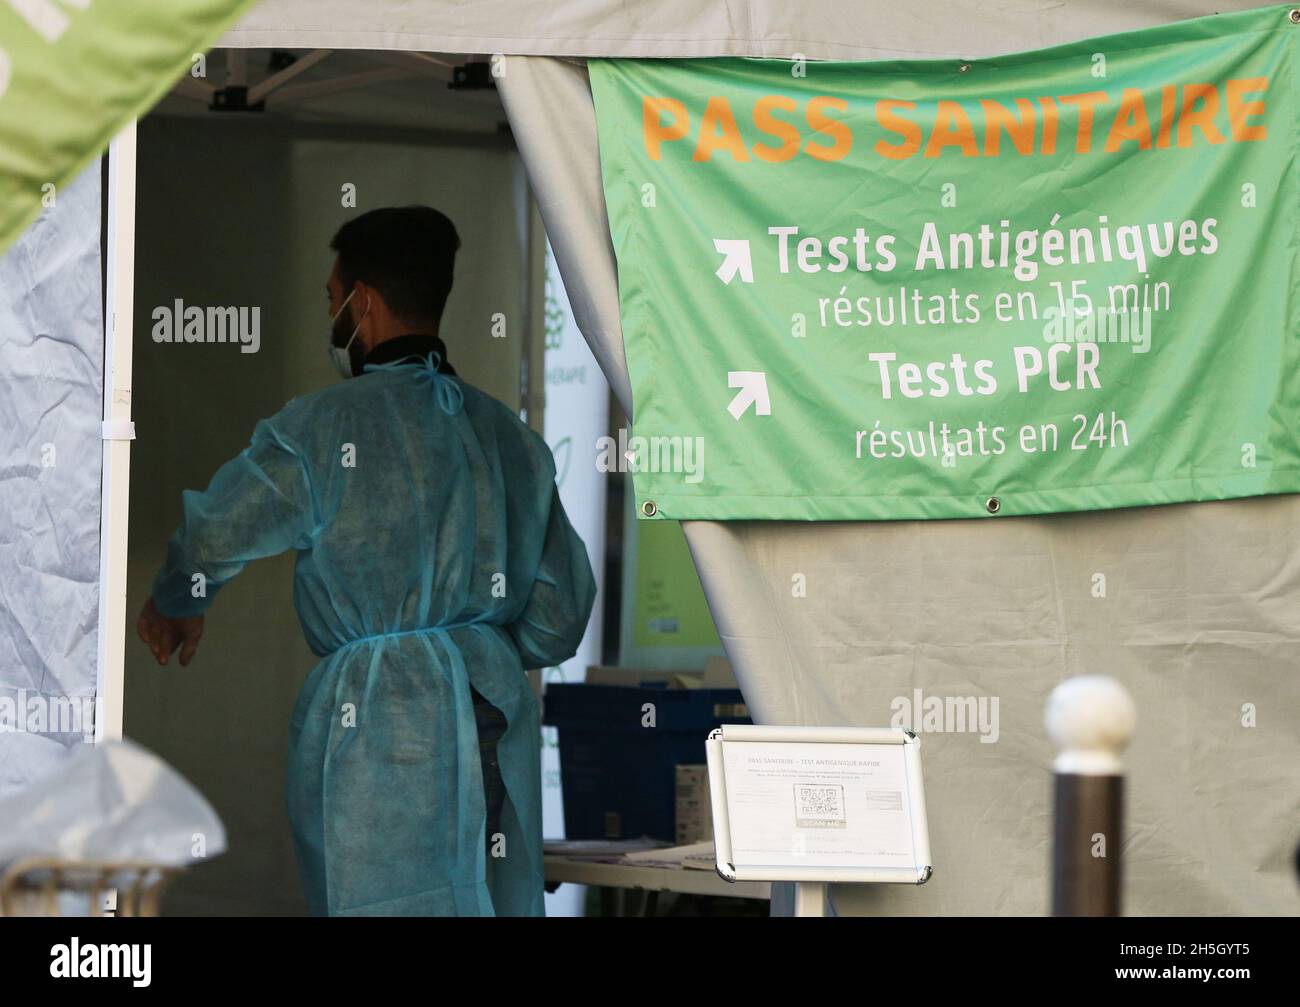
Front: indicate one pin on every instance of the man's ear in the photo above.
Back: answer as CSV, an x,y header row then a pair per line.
x,y
363,299
369,308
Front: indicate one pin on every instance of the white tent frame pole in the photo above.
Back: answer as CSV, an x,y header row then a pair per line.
x,y
415,62
237,68
296,92
115,498
259,91
399,64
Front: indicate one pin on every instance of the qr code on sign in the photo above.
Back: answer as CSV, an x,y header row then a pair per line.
x,y
819,806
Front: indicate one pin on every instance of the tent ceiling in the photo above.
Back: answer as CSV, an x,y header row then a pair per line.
x,y
347,87
820,29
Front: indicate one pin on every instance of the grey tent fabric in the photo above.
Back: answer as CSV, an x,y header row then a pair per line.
x,y
51,373
1195,608
817,29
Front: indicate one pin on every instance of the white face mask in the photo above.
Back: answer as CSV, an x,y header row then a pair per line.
x,y
339,354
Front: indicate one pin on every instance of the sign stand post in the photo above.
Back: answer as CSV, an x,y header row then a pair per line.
x,y
811,898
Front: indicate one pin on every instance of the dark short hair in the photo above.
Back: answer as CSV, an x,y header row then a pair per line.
x,y
407,253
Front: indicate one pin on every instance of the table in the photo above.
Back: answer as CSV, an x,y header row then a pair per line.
x,y
649,879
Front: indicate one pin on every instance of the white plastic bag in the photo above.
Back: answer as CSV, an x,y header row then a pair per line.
x,y
114,801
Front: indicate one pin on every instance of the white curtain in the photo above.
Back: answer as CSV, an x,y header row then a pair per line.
x,y
51,404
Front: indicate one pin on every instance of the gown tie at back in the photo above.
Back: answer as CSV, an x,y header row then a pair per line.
x,y
450,398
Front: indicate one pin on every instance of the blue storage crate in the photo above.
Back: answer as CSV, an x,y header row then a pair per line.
x,y
618,777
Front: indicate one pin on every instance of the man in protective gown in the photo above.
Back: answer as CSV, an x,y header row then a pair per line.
x,y
434,564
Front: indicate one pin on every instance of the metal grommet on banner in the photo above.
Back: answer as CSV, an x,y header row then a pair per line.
x,y
649,509
993,505
1294,15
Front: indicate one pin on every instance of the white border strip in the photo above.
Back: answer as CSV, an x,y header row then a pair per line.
x,y
115,499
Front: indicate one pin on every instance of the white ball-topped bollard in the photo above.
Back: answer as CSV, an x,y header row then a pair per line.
x,y
1090,719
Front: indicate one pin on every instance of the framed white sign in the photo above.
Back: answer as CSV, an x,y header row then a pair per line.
x,y
818,804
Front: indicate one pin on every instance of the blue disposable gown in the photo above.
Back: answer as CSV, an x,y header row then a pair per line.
x,y
433,554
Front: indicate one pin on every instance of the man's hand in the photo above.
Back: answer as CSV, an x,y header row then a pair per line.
x,y
164,635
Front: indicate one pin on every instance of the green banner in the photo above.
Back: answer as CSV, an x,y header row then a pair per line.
x,y
1054,281
73,73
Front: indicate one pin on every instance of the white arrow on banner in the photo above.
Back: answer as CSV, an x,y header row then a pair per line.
x,y
753,388
737,259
